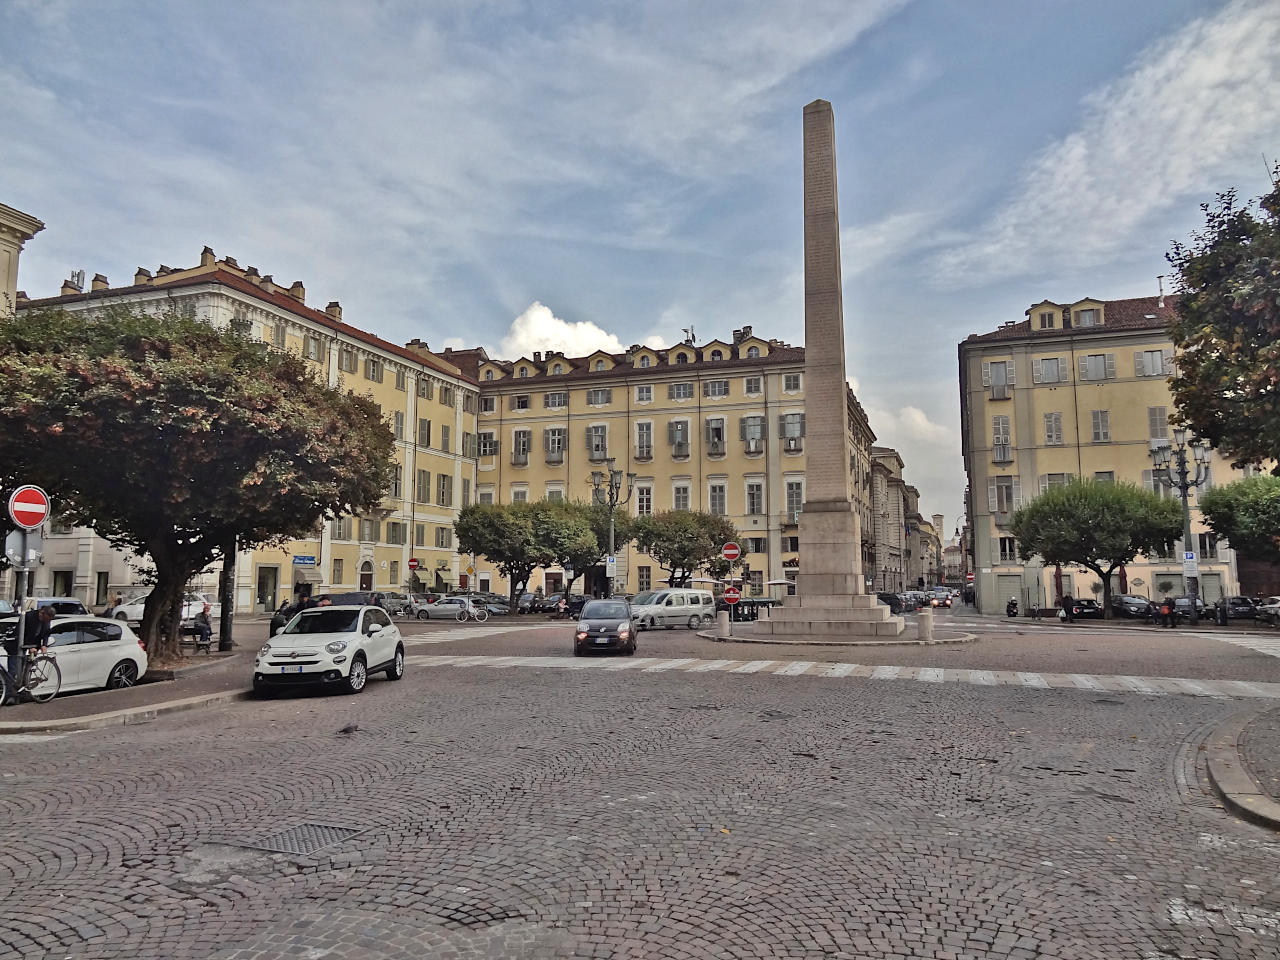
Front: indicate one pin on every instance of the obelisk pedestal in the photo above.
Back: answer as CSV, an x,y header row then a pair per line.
x,y
829,602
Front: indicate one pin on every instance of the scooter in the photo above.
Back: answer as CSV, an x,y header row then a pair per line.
x,y
1011,608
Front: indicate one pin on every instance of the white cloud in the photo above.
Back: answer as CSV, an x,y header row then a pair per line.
x,y
1174,127
929,452
540,329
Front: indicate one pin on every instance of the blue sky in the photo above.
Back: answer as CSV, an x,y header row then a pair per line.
x,y
526,175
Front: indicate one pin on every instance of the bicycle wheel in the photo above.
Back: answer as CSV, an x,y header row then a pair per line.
x,y
481,615
44,677
461,615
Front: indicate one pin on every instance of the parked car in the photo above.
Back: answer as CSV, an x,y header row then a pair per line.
x,y
525,603
64,606
1129,605
549,604
192,603
1083,610
1269,610
396,603
1183,607
446,608
892,601
93,653
675,607
422,599
1240,608
337,646
605,625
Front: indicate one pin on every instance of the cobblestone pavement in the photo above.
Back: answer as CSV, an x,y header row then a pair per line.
x,y
614,814
1260,748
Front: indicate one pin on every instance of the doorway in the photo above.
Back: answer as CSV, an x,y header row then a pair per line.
x,y
268,585
62,580
555,583
366,576
102,588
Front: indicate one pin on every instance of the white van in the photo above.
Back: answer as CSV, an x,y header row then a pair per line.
x,y
673,608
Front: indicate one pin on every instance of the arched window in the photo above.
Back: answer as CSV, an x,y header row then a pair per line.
x,y
524,371
717,355
644,360
682,358
557,369
488,374
599,364
753,352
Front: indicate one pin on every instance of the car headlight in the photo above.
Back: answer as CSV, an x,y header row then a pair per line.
x,y
624,633
266,648
337,646
580,635
584,626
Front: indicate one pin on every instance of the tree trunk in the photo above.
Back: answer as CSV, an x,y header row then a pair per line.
x,y
162,614
226,596
1106,595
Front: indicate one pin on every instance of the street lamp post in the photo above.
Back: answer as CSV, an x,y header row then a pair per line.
x,y
1173,470
606,488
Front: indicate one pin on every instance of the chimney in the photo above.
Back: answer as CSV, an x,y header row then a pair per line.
x,y
21,296
334,311
207,259
268,282
231,262
163,270
70,287
298,291
537,356
1160,281
100,282
143,276
251,274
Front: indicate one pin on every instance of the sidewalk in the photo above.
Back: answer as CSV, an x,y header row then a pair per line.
x,y
1243,762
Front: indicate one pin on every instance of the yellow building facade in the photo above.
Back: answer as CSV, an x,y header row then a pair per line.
x,y
1075,390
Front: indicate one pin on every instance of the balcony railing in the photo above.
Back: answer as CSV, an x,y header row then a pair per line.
x,y
555,456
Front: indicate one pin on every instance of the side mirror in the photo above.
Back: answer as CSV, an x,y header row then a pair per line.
x,y
372,629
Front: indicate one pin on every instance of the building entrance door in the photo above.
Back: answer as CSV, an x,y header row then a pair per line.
x,y
366,576
268,584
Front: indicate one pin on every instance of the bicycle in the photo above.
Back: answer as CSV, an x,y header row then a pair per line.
x,y
40,677
478,614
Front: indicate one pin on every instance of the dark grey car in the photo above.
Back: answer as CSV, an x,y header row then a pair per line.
x,y
604,625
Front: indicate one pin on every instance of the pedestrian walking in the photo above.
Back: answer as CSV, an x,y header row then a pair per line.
x,y
1166,612
1068,602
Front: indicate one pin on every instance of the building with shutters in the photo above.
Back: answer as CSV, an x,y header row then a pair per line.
x,y
1073,390
430,405
718,427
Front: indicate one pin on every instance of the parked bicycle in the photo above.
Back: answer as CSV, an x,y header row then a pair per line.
x,y
472,612
39,676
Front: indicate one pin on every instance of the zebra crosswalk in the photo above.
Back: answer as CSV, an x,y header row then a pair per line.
x,y
465,631
1150,686
1270,645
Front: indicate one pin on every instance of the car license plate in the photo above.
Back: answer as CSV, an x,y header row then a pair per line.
x,y
602,639
297,669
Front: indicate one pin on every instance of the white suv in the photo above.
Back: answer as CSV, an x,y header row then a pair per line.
x,y
340,646
673,608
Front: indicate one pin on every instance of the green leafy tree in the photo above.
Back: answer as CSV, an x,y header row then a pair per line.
x,y
505,534
580,553
1101,526
563,532
1227,331
683,541
1246,512
172,438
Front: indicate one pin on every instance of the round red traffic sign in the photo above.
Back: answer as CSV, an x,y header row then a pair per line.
x,y
731,551
731,595
29,506
413,563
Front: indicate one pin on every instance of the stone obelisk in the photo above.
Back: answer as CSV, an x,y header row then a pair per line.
x,y
830,600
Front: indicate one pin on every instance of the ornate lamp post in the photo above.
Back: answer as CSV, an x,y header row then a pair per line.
x,y
1173,470
606,488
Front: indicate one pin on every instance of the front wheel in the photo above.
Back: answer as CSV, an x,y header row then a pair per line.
x,y
482,615
695,622
123,674
358,676
44,677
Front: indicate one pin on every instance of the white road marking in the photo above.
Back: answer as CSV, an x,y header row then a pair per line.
x,y
983,677
930,674
1033,680
839,670
1085,682
670,664
794,669
885,673
755,666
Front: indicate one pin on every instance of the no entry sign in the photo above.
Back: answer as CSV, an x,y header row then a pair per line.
x,y
731,551
29,507
413,563
731,595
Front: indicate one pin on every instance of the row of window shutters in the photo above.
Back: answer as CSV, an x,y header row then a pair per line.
x,y
1001,374
598,396
1004,493
752,430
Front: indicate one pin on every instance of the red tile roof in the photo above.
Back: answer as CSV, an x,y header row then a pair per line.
x,y
1136,313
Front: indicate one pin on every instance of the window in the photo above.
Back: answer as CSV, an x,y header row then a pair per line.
x,y
397,424
756,545
393,571
468,402
751,432
751,386
468,448
682,358
373,369
599,397
313,348
717,500
1098,366
488,404
1151,481
1104,476
795,501
644,440
466,491
340,529
790,545
791,429
337,572
444,490
680,496
277,335
485,496
424,433
521,441
755,498
555,494
1046,320
369,531
419,534
598,442
678,437
488,444
397,481
555,401
680,391
756,579
753,353
1158,423
1004,494
444,438
1152,363
446,395
645,360
717,355
644,575
999,376
400,378
519,495
791,382
518,401
715,436
644,394
444,538
58,526
715,388
1053,429
427,388
1208,546
644,501
557,369
1048,480
396,532
1101,420
488,374
599,365
1049,370
1087,318
1001,448
347,360
1008,550
553,443
240,323
524,371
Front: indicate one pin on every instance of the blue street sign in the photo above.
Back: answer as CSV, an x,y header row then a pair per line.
x,y
300,561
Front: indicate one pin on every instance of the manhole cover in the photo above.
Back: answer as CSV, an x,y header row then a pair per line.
x,y
304,838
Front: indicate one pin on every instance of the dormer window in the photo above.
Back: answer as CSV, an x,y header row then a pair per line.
x,y
1046,320
682,358
753,353
599,364
524,371
717,355
1088,318
644,360
488,374
557,369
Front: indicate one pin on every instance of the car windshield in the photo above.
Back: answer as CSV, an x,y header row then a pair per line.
x,y
324,621
642,598
604,610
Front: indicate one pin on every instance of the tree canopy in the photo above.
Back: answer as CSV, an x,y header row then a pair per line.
x,y
1227,332
171,437
1246,512
1096,525
504,534
683,541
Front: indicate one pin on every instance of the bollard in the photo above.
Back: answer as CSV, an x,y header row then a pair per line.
x,y
722,619
924,625
764,612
